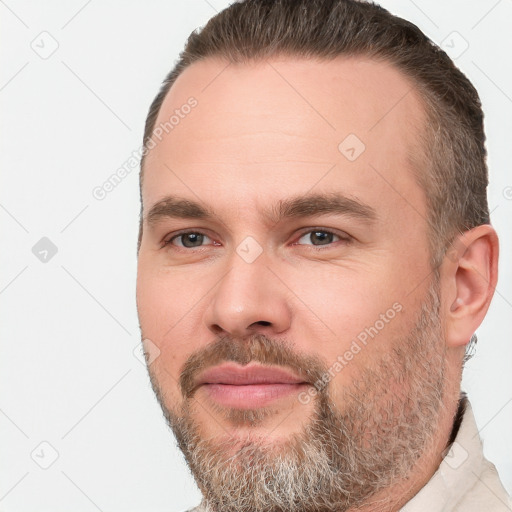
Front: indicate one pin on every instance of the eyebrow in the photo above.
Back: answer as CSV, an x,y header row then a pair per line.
x,y
309,205
312,205
177,208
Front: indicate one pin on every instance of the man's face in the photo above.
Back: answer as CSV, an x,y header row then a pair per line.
x,y
301,295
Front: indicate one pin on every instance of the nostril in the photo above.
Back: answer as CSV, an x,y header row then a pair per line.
x,y
217,329
262,322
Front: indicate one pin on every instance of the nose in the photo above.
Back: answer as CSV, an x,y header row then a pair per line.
x,y
249,299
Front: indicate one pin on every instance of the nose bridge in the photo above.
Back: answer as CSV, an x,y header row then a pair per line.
x,y
248,297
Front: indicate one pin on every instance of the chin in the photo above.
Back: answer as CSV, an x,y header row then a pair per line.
x,y
264,426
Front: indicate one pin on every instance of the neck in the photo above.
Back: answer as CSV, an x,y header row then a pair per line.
x,y
395,497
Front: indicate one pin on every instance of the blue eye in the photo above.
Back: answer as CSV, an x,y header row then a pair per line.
x,y
188,240
313,237
319,237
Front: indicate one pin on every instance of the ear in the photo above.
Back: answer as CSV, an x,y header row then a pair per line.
x,y
469,273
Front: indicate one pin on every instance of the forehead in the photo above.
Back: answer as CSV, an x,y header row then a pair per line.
x,y
287,124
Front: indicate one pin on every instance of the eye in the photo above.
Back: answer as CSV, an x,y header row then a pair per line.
x,y
188,240
319,237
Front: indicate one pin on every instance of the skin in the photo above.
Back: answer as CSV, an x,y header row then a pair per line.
x,y
265,132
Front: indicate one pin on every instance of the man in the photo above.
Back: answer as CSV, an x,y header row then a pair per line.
x,y
315,255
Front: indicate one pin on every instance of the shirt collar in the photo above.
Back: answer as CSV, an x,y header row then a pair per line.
x,y
458,471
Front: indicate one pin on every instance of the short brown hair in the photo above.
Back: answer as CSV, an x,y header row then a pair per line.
x,y
451,164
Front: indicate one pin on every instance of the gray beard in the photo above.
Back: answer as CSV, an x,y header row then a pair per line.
x,y
342,457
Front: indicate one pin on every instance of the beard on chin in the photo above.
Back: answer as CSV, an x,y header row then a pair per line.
x,y
343,455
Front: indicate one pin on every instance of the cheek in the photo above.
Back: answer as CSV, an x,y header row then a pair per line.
x,y
362,313
166,301
348,300
164,315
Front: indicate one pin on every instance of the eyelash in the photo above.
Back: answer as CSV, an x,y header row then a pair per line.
x,y
345,238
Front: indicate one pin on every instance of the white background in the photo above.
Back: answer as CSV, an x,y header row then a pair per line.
x,y
69,327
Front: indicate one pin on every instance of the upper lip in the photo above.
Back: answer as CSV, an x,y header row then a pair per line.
x,y
236,375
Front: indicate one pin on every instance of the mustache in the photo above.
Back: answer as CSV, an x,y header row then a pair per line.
x,y
258,348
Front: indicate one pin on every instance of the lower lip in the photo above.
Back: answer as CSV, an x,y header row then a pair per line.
x,y
250,396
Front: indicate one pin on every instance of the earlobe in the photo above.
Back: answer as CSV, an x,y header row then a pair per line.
x,y
473,270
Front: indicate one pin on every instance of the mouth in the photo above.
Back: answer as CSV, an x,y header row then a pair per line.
x,y
248,387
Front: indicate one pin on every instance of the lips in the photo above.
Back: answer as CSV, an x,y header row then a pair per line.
x,y
250,386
